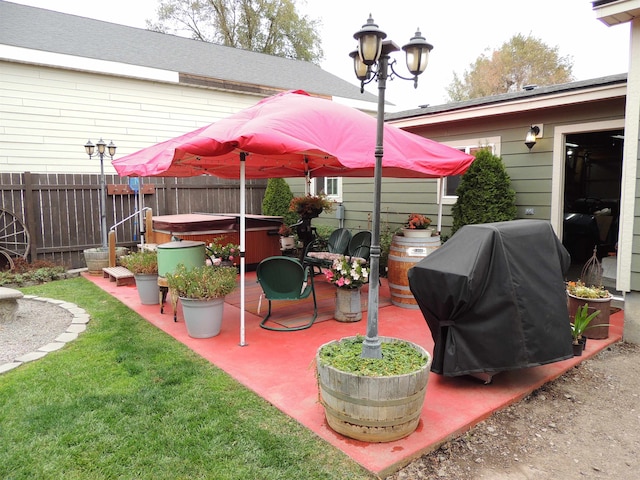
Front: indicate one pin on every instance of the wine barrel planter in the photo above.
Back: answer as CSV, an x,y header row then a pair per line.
x,y
602,304
98,258
373,409
404,253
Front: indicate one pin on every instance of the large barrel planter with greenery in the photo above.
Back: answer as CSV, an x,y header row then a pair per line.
x,y
373,408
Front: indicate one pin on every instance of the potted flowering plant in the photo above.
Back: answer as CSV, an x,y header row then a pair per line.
x,y
310,206
223,254
201,291
348,275
579,295
417,225
287,240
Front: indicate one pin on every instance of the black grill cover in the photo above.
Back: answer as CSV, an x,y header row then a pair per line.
x,y
494,298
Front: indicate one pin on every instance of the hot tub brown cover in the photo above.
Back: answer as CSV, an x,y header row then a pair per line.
x,y
494,298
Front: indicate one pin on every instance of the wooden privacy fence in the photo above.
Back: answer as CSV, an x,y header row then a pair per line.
x,y
61,212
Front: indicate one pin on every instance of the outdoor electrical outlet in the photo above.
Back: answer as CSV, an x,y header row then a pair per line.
x,y
529,211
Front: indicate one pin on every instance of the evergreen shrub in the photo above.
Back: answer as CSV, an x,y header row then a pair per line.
x,y
484,194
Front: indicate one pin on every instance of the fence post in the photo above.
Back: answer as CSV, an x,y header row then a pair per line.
x,y
30,216
148,222
112,248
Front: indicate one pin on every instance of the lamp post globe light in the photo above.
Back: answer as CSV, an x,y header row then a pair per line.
x,y
102,149
371,62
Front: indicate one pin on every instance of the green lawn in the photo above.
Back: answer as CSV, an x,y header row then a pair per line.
x,y
125,400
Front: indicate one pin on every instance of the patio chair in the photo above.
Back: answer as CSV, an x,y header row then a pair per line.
x,y
360,246
338,244
284,278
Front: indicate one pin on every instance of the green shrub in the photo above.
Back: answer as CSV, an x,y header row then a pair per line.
x,y
143,262
386,237
484,194
39,275
277,197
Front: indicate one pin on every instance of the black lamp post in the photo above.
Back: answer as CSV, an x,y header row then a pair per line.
x,y
371,61
102,148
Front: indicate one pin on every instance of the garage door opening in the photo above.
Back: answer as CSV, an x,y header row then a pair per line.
x,y
592,186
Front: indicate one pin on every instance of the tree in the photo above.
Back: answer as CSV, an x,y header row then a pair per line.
x,y
276,201
484,194
520,61
272,27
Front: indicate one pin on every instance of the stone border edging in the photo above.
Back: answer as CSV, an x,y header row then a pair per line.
x,y
79,321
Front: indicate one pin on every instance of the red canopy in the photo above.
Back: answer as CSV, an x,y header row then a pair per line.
x,y
293,134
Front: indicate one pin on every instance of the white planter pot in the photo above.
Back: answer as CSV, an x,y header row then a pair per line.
x,y
148,289
417,233
203,318
287,243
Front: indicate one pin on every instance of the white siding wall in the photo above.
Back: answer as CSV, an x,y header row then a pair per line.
x,y
47,115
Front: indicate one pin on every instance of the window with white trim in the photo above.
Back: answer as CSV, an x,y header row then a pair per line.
x,y
450,184
330,186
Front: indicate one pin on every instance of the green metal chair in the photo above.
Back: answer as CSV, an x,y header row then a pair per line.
x,y
338,244
360,245
284,278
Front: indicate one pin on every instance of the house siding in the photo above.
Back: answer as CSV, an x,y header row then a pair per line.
x,y
47,115
531,172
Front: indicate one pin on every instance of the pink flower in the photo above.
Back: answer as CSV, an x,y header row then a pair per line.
x,y
340,282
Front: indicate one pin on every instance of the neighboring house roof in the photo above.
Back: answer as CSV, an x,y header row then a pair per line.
x,y
197,62
523,100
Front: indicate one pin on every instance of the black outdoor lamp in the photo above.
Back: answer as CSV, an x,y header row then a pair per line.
x,y
417,51
369,42
371,61
531,137
111,150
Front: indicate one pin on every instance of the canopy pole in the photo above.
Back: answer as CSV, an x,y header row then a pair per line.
x,y
243,207
440,195
141,221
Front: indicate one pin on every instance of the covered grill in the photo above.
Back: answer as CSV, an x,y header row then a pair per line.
x,y
494,298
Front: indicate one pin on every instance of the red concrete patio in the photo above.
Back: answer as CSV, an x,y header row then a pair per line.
x,y
278,366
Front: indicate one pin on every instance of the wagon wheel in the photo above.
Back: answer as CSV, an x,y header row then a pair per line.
x,y
14,238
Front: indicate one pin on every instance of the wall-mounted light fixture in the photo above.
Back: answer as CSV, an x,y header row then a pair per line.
x,y
532,134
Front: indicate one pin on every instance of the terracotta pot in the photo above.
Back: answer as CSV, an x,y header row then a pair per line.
x,y
602,304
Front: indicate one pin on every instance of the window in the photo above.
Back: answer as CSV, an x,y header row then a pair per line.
x,y
450,184
330,186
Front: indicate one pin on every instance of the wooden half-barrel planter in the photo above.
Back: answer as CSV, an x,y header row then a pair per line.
x,y
373,409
